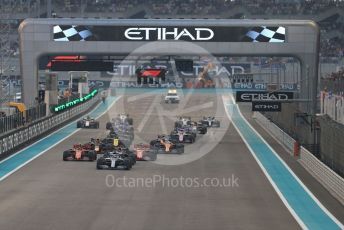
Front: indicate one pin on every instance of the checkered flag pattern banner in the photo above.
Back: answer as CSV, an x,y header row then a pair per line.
x,y
71,33
266,34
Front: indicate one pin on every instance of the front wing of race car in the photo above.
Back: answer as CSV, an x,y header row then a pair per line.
x,y
145,154
175,148
183,138
79,155
211,123
114,163
171,100
202,129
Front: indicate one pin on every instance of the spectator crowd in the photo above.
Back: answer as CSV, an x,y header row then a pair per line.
x,y
256,7
331,46
334,82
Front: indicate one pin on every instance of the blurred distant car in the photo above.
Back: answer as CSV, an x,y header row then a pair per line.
x,y
182,121
144,152
165,144
125,135
172,96
183,135
200,127
88,122
187,123
107,144
120,120
210,122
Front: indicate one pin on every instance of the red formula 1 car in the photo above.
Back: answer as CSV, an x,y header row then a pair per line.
x,y
80,153
144,152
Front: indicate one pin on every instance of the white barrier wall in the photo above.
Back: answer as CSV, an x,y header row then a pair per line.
x,y
332,105
328,178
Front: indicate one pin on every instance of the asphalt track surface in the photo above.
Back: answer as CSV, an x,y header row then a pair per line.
x,y
51,194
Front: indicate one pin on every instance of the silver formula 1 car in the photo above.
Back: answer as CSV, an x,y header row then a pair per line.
x,y
115,160
210,122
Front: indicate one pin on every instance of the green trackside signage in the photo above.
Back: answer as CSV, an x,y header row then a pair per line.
x,y
71,104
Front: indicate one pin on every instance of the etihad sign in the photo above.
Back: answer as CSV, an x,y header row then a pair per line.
x,y
161,33
249,96
264,96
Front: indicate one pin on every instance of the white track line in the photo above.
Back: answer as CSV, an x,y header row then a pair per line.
x,y
287,167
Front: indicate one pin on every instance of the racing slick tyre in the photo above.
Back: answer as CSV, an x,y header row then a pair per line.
x,y
97,125
180,148
127,164
203,131
153,143
151,156
216,124
100,163
194,135
108,125
132,157
175,151
192,139
174,137
78,125
130,121
66,155
92,155
177,124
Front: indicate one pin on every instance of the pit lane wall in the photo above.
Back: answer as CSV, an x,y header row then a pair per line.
x,y
20,137
326,176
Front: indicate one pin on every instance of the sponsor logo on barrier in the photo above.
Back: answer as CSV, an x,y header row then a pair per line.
x,y
267,106
249,96
224,69
128,84
75,102
263,86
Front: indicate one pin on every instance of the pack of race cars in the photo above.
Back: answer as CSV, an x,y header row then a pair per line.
x,y
113,152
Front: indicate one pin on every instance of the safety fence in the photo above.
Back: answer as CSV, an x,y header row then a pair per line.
x,y
332,105
25,134
20,119
326,176
275,131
